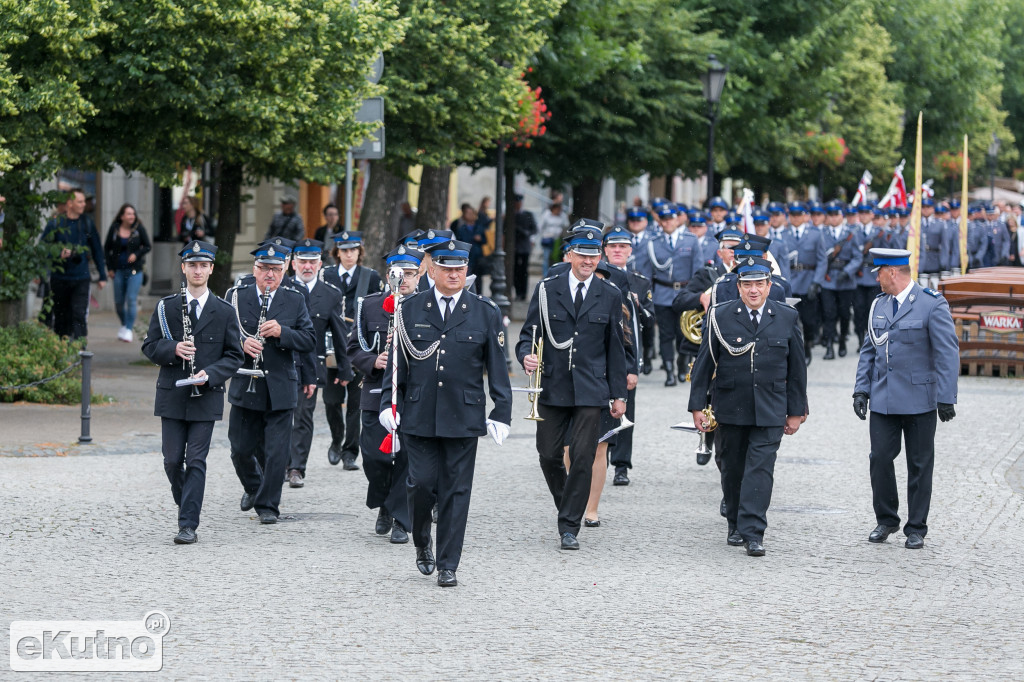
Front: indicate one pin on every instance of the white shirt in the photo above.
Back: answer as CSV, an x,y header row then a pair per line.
x,y
258,294
902,296
310,284
202,301
351,274
440,304
760,313
799,232
574,283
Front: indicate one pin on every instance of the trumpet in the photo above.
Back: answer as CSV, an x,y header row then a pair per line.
x,y
703,452
533,389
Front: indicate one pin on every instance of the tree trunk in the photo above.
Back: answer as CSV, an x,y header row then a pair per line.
x,y
228,223
586,199
12,313
377,220
432,213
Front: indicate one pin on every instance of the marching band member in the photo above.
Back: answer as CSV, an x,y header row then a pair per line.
x,y
274,325
191,335
446,338
579,317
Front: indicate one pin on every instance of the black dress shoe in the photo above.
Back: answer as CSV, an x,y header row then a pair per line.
x,y
914,541
829,353
247,501
670,379
185,536
620,477
268,518
569,541
334,454
648,367
735,539
807,356
721,508
295,479
704,457
384,522
398,534
754,548
349,463
425,560
596,523
881,533
446,578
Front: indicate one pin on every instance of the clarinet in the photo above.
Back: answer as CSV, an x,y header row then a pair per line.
x,y
188,365
258,360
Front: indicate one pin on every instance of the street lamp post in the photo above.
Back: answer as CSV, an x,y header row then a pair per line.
x,y
713,81
993,155
498,277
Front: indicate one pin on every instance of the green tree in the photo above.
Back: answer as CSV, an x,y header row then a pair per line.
x,y
262,88
454,89
42,106
621,81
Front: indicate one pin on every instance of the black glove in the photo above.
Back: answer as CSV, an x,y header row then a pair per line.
x,y
860,404
946,412
812,293
843,278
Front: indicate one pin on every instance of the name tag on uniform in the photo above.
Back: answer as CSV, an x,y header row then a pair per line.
x,y
421,326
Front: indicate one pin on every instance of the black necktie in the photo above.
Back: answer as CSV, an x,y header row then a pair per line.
x,y
578,303
753,318
345,279
193,312
447,306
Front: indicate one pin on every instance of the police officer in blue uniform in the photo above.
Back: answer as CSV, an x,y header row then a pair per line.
x,y
639,262
933,239
355,282
751,365
838,263
579,316
674,256
446,338
951,258
999,239
209,352
906,375
275,326
324,303
777,248
872,235
719,210
368,348
806,249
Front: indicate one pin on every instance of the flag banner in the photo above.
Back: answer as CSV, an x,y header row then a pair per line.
x,y
914,237
863,188
963,212
746,210
896,196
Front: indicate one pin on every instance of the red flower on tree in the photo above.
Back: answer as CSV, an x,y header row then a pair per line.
x,y
534,116
825,148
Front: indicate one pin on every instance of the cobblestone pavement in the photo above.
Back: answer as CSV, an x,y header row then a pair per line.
x,y
654,593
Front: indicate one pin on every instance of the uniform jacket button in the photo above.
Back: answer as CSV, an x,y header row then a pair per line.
x,y
440,383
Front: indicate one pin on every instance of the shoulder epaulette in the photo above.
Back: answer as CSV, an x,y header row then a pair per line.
x,y
285,287
881,295
170,297
640,275
932,293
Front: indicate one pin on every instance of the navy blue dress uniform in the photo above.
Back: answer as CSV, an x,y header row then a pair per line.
x,y
907,373
443,346
673,259
324,303
341,403
838,264
584,367
755,377
187,415
386,476
871,237
260,424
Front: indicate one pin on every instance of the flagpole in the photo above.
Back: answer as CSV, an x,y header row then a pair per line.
x,y
963,213
914,238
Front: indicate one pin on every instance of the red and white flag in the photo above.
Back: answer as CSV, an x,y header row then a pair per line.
x,y
896,197
746,211
861,196
926,189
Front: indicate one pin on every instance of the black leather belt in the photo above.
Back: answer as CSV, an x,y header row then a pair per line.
x,y
675,285
800,267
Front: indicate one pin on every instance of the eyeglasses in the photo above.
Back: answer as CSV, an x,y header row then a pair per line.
x,y
277,270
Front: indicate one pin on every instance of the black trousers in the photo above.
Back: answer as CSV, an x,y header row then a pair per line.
x,y
835,305
334,399
810,318
748,474
670,334
353,418
341,405
445,465
185,446
862,298
385,478
302,431
647,336
919,432
571,490
621,451
70,307
260,443
520,275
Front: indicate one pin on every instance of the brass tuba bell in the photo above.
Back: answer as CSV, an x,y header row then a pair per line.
x,y
691,323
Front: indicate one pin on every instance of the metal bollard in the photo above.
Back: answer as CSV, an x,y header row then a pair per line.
x,y
86,395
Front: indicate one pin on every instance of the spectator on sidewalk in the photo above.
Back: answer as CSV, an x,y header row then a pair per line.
x,y
125,251
76,234
194,224
325,233
287,223
526,228
553,222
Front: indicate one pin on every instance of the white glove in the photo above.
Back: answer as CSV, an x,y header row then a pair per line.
x,y
389,421
498,431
